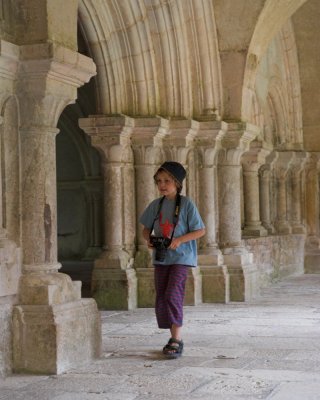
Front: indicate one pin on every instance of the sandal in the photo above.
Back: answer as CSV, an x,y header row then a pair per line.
x,y
173,349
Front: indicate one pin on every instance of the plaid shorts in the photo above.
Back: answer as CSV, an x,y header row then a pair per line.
x,y
170,282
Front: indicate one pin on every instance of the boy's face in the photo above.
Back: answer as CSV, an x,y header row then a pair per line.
x,y
166,185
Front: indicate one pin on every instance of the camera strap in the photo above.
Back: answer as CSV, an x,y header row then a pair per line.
x,y
175,216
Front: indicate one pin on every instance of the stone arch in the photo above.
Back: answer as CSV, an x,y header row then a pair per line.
x,y
119,42
279,112
277,98
265,30
159,58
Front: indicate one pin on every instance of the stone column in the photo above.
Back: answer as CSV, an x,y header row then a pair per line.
x,y
10,237
282,166
243,274
296,171
251,162
147,158
205,137
312,246
265,192
171,139
114,283
10,240
51,316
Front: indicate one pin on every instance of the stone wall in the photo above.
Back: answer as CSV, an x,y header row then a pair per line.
x,y
277,256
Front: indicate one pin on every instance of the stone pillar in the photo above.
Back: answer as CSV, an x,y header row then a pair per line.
x,y
54,329
251,162
10,235
10,238
204,137
282,166
312,247
265,192
114,283
172,140
147,158
296,192
243,274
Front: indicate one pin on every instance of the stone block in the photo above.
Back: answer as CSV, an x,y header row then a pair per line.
x,y
215,284
48,289
115,289
243,282
146,288
312,263
53,339
193,293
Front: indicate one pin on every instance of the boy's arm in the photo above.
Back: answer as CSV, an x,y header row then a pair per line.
x,y
146,235
186,238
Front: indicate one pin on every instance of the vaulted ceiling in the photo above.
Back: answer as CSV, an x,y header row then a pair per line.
x,y
196,58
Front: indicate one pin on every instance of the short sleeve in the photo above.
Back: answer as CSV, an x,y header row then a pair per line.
x,y
194,218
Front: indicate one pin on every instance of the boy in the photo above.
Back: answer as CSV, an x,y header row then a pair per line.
x,y
172,224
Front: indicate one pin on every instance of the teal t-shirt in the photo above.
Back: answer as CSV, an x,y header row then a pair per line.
x,y
189,221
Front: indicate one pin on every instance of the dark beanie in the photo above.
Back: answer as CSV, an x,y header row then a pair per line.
x,y
175,169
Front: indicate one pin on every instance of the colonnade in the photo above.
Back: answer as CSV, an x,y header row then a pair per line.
x,y
243,187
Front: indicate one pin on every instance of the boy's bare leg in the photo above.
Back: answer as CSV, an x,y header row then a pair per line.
x,y
176,331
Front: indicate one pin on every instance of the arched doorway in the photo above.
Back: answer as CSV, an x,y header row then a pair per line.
x,y
79,189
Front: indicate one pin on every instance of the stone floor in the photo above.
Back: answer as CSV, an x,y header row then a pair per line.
x,y
268,349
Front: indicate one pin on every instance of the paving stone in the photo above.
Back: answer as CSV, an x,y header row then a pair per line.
x,y
297,391
267,349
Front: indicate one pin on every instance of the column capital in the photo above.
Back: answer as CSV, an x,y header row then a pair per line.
x,y
47,80
235,141
171,138
206,137
312,160
111,135
298,162
9,60
256,156
283,163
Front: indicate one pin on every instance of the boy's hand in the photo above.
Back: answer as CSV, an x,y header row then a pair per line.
x,y
175,243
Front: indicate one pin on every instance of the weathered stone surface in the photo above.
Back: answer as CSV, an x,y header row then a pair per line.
x,y
263,349
45,336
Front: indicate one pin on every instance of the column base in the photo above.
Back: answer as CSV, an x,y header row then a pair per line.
x,y
254,230
215,284
145,277
50,339
298,229
283,228
146,288
114,289
114,282
193,293
215,277
312,261
269,227
243,276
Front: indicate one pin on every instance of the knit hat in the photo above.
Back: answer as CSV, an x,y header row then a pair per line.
x,y
175,169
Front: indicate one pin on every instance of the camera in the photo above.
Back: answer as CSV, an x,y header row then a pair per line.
x,y
161,245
